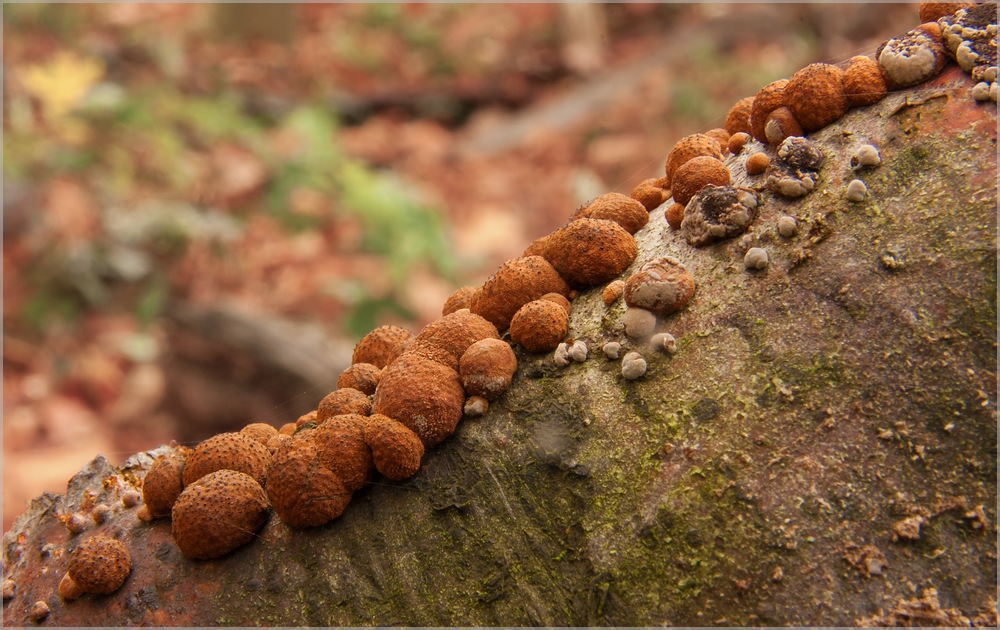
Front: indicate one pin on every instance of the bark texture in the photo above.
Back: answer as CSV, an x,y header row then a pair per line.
x,y
813,411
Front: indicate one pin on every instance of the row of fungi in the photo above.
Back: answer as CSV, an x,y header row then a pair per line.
x,y
401,395
811,99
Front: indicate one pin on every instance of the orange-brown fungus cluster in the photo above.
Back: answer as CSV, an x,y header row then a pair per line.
x,y
404,394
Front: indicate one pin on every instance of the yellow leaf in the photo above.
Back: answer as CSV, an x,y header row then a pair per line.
x,y
62,82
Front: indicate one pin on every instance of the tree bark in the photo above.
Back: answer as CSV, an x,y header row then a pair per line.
x,y
756,477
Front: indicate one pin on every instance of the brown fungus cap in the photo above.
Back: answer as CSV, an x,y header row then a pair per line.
x,y
737,141
781,123
674,214
360,376
455,332
587,252
560,300
649,194
303,492
343,451
625,211
815,94
425,396
688,148
218,513
99,565
487,368
695,174
514,284
380,346
163,484
259,431
431,351
612,291
396,449
769,98
933,11
539,326
721,136
660,286
227,451
277,441
342,401
757,163
738,118
461,298
863,81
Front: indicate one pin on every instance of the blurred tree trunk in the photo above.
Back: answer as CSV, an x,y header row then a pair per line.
x,y
820,450
585,36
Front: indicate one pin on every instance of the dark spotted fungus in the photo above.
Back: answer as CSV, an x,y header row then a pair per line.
x,y
218,513
718,212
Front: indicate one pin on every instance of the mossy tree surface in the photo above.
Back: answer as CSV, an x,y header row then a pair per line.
x,y
810,407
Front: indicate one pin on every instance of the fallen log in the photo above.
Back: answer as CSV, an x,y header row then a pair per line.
x,y
821,448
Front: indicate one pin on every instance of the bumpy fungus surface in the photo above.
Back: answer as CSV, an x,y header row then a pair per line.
x,y
863,82
625,211
218,513
718,212
769,98
932,11
738,118
911,59
360,376
539,326
461,298
560,300
396,449
227,451
303,492
487,367
343,401
454,333
163,484
342,449
815,94
259,431
795,171
649,194
514,284
99,565
695,174
661,286
587,252
380,346
431,351
688,148
425,396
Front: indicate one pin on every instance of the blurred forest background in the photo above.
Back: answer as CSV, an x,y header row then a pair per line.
x,y
205,206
